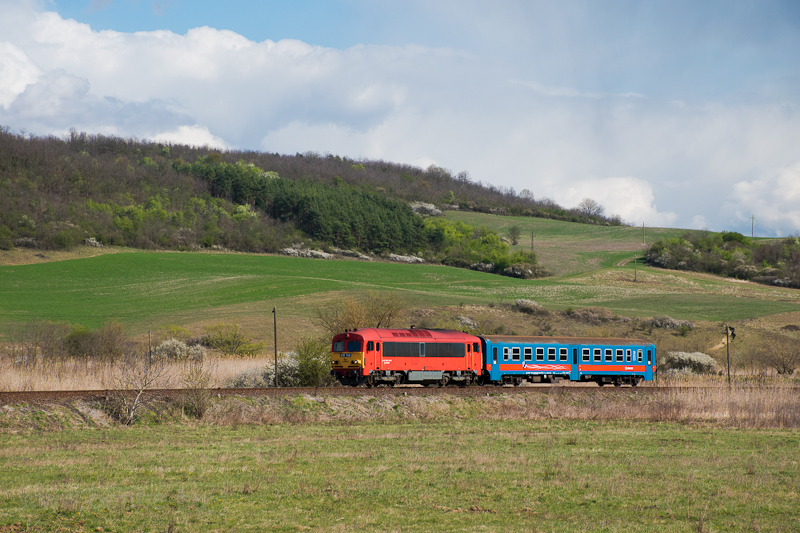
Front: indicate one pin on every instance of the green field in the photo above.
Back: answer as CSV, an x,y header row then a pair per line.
x,y
567,248
147,290
457,475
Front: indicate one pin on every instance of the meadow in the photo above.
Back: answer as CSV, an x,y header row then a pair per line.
x,y
563,461
147,290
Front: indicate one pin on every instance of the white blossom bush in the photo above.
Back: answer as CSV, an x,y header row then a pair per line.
x,y
688,363
288,374
175,350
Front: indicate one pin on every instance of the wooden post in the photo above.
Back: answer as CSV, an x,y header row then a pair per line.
x,y
275,331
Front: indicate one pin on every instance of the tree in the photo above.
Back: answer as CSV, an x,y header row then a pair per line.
x,y
591,208
230,340
140,373
779,352
375,309
514,233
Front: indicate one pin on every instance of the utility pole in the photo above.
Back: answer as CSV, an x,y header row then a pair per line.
x,y
531,241
275,331
643,243
730,334
752,224
634,267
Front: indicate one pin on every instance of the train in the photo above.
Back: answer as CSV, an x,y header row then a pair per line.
x,y
434,357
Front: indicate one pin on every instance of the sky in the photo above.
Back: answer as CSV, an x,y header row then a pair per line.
x,y
669,113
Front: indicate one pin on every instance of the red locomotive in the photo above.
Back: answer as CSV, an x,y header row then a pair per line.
x,y
373,356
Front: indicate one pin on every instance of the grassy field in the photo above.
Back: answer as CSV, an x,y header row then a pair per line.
x,y
148,290
566,248
415,464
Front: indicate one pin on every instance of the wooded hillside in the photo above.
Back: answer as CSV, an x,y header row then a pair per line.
x,y
57,193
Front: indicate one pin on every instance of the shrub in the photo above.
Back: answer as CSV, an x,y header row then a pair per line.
x,y
529,306
196,398
288,371
686,362
175,350
665,322
288,375
6,242
314,363
230,340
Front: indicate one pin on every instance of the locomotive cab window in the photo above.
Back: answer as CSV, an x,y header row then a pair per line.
x,y
540,354
370,346
354,346
598,355
476,347
563,354
528,354
551,354
586,355
515,354
338,346
609,355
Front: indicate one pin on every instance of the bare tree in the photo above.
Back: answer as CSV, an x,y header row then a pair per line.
x,y
591,208
779,352
140,374
375,309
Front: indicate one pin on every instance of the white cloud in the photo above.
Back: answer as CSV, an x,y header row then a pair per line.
x,y
191,136
699,222
16,72
774,201
630,198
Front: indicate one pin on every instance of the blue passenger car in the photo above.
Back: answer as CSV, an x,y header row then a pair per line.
x,y
510,359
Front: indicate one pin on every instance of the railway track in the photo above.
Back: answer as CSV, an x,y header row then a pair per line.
x,y
11,398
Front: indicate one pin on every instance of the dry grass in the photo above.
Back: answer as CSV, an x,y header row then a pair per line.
x,y
96,375
740,407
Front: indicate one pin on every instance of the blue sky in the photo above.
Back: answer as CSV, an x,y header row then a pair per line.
x,y
667,112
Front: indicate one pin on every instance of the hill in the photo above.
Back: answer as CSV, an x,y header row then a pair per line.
x,y
57,193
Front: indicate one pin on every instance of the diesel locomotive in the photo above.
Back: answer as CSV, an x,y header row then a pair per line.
x,y
379,356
